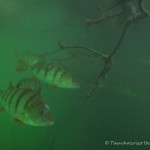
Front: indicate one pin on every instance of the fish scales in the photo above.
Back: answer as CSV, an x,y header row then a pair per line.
x,y
27,96
51,74
27,106
5,95
8,98
16,99
31,100
20,99
11,101
54,75
51,71
60,74
64,74
48,68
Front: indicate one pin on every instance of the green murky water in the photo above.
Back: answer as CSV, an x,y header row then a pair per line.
x,y
119,110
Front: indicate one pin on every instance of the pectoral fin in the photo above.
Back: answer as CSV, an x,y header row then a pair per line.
x,y
18,121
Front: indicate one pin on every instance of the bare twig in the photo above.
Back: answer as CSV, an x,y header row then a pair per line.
x,y
109,8
103,18
108,58
62,46
108,61
142,9
49,53
108,13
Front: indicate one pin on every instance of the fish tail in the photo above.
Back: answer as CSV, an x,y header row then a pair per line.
x,y
21,67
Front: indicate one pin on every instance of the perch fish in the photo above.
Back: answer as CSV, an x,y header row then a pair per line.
x,y
26,106
55,75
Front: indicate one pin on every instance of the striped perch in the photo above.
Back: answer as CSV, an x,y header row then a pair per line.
x,y
26,106
54,74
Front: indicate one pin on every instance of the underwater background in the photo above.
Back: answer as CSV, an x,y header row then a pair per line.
x,y
118,111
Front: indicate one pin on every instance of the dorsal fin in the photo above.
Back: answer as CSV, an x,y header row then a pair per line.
x,y
31,83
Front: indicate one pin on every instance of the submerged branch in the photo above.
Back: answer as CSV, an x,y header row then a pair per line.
x,y
103,56
109,8
115,5
142,9
108,61
103,18
106,58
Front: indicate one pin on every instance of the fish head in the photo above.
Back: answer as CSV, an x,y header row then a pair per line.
x,y
41,115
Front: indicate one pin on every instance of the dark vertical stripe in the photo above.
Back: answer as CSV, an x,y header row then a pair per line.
x,y
20,98
63,74
31,99
55,73
48,67
12,96
7,94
